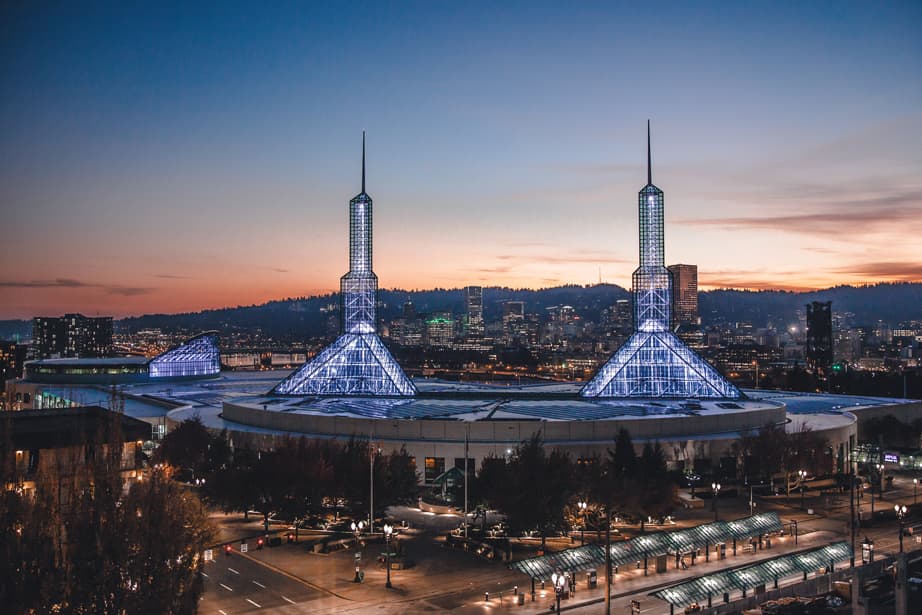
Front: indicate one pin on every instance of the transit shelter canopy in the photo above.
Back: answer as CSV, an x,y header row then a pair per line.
x,y
749,577
590,557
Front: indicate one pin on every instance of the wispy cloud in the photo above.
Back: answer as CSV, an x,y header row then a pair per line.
x,y
564,259
889,270
830,220
111,289
169,276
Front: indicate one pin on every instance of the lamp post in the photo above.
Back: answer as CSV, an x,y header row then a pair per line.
x,y
356,532
715,489
388,530
915,486
692,478
900,512
803,475
880,481
582,528
559,581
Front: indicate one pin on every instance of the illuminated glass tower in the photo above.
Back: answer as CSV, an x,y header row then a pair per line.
x,y
357,363
653,362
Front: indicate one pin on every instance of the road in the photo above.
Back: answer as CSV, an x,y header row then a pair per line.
x,y
238,584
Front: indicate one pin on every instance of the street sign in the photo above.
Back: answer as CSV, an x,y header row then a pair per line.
x,y
358,557
243,547
209,555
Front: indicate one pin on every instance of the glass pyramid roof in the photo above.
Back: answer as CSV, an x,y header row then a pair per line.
x,y
353,365
657,364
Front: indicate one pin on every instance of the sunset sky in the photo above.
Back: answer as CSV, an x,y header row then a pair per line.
x,y
169,158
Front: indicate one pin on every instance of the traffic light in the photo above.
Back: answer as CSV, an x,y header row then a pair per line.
x,y
259,544
227,549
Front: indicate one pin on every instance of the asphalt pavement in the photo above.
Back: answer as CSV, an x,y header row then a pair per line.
x,y
239,584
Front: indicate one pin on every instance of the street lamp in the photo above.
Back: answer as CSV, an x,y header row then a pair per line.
x,y
915,486
388,530
880,481
803,475
582,528
900,512
715,489
692,478
356,531
559,581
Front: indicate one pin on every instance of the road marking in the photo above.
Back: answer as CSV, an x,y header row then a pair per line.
x,y
253,603
234,571
221,612
204,575
289,600
260,584
225,587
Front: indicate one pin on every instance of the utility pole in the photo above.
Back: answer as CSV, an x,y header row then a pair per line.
x,y
608,561
371,483
851,498
467,437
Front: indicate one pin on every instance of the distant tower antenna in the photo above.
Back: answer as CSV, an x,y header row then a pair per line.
x,y
363,154
649,163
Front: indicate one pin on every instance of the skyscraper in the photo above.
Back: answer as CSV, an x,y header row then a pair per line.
x,y
685,294
653,362
819,336
357,363
473,302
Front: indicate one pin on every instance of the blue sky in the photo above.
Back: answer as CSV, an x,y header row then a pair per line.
x,y
168,157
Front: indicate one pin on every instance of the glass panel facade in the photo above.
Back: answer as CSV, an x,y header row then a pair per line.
x,y
352,365
198,357
357,363
654,363
658,364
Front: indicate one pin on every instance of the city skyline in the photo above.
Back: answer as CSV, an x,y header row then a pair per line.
x,y
170,159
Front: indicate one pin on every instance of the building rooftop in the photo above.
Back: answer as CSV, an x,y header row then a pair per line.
x,y
54,428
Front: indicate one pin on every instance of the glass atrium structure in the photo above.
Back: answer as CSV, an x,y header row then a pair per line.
x,y
357,363
654,363
196,358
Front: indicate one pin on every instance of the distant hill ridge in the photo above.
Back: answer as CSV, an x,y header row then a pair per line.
x,y
308,316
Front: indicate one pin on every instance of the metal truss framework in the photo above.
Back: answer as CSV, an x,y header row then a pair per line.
x,y
652,282
198,356
353,365
654,363
357,363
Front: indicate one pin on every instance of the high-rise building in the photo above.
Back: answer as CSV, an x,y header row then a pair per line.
x,y
473,321
12,357
684,294
819,344
71,335
440,329
357,363
653,362
513,310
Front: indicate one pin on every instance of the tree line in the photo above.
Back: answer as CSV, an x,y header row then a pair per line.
x,y
540,490
296,478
